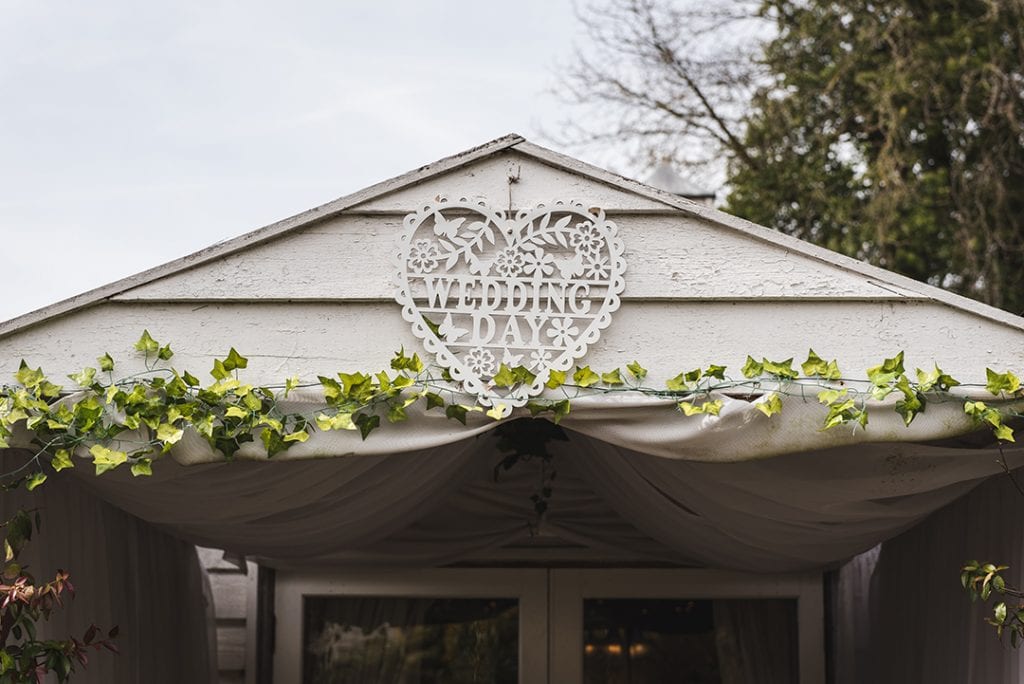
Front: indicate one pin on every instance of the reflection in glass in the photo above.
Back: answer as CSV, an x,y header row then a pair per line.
x,y
641,641
386,640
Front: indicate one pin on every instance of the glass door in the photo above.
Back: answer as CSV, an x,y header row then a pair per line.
x,y
555,626
412,627
633,626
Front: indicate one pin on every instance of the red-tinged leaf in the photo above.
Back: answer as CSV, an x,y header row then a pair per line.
x,y
114,631
90,634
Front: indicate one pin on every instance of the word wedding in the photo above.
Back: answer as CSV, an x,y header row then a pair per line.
x,y
482,289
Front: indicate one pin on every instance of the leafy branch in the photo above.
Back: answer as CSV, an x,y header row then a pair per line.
x,y
136,420
24,658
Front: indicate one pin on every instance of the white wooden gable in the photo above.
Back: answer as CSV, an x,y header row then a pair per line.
x,y
314,293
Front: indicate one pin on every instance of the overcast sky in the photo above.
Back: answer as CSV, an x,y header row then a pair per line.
x,y
135,133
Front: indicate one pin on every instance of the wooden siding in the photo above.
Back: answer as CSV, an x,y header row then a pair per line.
x,y
233,599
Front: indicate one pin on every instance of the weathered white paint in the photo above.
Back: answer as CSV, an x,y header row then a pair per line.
x,y
675,256
283,339
596,181
536,183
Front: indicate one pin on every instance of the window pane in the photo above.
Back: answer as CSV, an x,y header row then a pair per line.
x,y
378,640
639,641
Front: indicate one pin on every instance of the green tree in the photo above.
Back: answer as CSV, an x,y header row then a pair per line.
x,y
892,132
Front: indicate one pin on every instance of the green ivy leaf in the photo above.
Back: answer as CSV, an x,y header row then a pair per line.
x,y
887,371
910,406
147,344
781,369
677,384
367,423
142,468
297,436
236,412
409,363
584,377
1001,382
612,378
714,371
106,363
830,396
814,365
456,412
1004,433
560,409
339,421
34,480
28,377
497,412
220,372
434,327
85,378
165,353
524,375
637,371
290,384
556,379
504,377
752,368
106,459
235,360
170,434
769,404
936,380
689,409
62,460
434,400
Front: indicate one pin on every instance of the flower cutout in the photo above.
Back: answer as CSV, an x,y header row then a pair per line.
x,y
596,267
587,239
562,331
479,361
423,256
538,263
509,262
540,358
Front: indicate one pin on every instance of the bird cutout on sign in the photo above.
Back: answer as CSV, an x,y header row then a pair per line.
x,y
448,331
511,360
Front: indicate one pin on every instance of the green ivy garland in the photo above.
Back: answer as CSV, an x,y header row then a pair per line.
x,y
161,403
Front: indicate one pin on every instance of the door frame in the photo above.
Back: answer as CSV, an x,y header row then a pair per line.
x,y
550,606
529,586
569,587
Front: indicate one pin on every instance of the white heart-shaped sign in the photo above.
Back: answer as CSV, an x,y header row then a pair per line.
x,y
483,289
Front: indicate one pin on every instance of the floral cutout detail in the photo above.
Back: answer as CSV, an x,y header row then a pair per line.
x,y
480,361
587,238
509,262
562,331
540,358
538,263
423,256
597,267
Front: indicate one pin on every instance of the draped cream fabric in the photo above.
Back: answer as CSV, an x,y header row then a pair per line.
x,y
635,479
899,613
126,573
440,504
